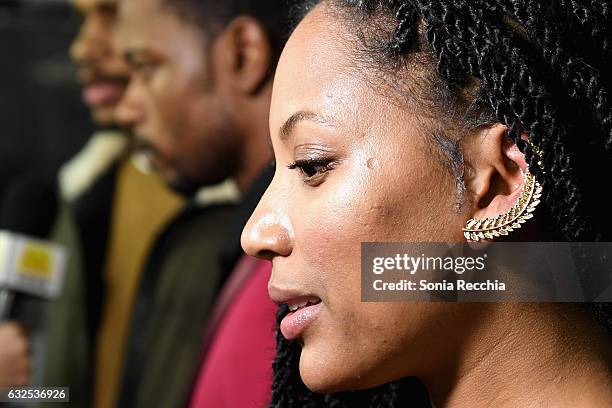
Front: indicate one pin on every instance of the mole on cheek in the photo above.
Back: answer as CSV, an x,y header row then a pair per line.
x,y
371,163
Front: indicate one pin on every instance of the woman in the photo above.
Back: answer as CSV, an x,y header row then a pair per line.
x,y
402,121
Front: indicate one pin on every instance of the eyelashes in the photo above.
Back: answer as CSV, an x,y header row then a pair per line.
x,y
313,171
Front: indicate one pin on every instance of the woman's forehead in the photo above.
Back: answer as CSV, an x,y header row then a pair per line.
x,y
315,72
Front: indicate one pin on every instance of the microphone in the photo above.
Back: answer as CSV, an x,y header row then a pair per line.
x,y
29,264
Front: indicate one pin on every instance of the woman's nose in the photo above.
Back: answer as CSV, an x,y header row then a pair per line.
x,y
269,231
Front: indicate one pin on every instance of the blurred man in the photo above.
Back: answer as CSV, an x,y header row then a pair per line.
x,y
199,98
102,71
198,105
114,213
103,75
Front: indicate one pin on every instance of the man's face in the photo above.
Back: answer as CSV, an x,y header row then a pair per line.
x,y
173,104
102,71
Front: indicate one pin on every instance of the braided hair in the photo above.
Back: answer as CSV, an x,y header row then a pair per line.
x,y
538,67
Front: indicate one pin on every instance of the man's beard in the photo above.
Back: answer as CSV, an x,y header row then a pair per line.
x,y
185,186
181,183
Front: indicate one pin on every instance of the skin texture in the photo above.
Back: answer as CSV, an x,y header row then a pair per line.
x,y
101,69
372,174
14,355
197,102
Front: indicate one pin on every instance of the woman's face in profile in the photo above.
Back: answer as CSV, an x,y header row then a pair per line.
x,y
352,166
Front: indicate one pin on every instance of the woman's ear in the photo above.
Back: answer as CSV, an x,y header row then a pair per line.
x,y
496,172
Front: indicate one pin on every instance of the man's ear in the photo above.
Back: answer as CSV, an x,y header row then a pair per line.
x,y
246,55
496,172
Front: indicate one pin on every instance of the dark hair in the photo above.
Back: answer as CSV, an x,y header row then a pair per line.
x,y
211,15
538,67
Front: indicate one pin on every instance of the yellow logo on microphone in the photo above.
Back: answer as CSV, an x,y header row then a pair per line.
x,y
36,260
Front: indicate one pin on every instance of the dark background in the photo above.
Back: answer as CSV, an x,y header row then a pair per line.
x,y
42,120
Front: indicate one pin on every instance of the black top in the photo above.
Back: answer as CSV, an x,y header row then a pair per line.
x,y
230,253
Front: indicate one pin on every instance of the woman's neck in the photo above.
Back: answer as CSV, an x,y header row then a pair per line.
x,y
528,355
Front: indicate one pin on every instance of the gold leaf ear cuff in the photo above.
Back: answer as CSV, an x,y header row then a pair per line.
x,y
490,228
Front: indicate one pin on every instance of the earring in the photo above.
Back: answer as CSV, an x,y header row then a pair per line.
x,y
490,228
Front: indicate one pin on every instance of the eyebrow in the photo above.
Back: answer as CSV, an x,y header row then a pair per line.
x,y
297,117
106,6
98,6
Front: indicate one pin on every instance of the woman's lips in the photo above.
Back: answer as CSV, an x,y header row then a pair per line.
x,y
294,323
102,92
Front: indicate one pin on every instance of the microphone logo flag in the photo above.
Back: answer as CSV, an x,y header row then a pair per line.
x,y
35,260
31,265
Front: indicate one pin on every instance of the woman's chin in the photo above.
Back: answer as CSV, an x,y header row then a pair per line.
x,y
321,383
327,376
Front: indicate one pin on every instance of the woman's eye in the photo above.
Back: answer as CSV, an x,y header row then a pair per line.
x,y
310,169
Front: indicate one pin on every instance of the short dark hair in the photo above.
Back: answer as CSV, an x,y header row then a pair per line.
x,y
213,15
